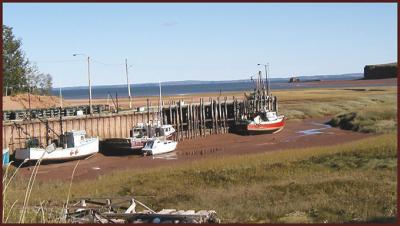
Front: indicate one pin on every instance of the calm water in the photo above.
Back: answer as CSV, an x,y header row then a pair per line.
x,y
181,89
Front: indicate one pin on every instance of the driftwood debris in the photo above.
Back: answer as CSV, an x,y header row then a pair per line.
x,y
124,210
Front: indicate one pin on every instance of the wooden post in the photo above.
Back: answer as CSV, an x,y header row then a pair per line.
x,y
197,120
177,123
219,116
170,115
234,109
148,111
226,116
189,119
181,118
201,118
192,120
212,116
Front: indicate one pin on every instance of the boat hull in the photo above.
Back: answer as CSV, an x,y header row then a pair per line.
x,y
6,157
260,128
33,154
266,127
161,149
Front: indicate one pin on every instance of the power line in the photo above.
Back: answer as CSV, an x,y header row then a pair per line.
x,y
106,64
56,61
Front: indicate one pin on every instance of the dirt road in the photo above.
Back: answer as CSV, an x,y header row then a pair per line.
x,y
303,134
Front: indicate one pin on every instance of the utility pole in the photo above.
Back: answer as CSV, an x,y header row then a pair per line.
x,y
90,87
266,75
159,103
129,85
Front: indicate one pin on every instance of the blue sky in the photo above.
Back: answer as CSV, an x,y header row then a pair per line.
x,y
171,41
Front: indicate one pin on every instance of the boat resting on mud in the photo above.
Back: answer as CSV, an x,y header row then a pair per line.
x,y
264,122
75,145
159,145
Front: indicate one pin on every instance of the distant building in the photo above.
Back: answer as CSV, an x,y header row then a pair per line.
x,y
294,79
380,71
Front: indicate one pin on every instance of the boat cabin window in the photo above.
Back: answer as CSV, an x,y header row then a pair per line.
x,y
150,144
33,142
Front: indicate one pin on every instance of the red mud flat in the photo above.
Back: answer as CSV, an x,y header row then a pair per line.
x,y
212,146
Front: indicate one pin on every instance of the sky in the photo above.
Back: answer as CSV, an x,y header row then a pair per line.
x,y
201,41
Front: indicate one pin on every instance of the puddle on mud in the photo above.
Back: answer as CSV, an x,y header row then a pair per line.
x,y
313,131
167,156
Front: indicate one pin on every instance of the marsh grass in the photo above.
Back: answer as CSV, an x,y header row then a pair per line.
x,y
311,103
352,182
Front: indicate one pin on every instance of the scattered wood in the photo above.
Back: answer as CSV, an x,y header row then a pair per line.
x,y
124,211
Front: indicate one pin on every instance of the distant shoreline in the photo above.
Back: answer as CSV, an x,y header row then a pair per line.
x,y
16,103
196,89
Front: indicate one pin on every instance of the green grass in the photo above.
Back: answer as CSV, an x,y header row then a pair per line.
x,y
311,103
370,110
371,119
353,182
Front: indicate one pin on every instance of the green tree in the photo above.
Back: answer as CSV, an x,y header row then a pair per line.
x,y
19,74
15,65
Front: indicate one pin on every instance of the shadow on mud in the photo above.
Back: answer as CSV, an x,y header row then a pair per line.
x,y
108,149
381,220
247,133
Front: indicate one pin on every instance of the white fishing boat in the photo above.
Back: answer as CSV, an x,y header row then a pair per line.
x,y
139,136
165,131
144,132
73,145
159,145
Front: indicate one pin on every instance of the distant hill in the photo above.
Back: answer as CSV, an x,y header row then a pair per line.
x,y
350,76
380,71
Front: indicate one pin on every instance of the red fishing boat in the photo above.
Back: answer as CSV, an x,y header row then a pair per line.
x,y
264,122
261,116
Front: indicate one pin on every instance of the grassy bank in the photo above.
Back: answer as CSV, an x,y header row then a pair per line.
x,y
311,103
368,110
351,182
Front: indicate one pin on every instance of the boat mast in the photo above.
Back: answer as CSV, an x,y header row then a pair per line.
x,y
266,77
61,130
159,104
60,98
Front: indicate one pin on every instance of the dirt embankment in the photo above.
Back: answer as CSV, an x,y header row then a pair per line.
x,y
23,101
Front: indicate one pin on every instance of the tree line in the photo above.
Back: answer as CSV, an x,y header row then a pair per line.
x,y
19,74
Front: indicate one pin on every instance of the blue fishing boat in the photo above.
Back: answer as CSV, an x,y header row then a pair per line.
x,y
6,156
